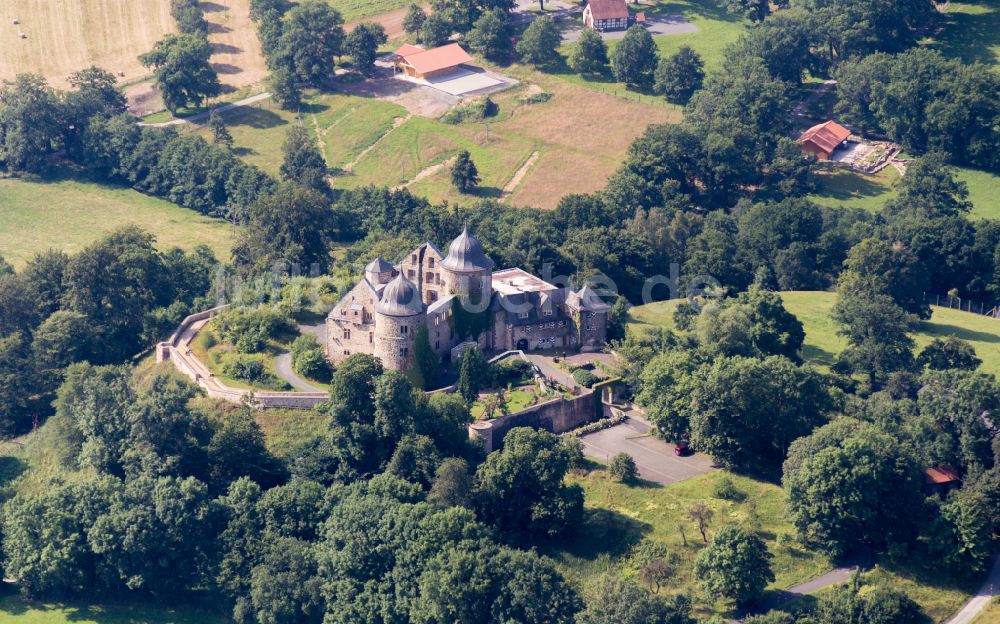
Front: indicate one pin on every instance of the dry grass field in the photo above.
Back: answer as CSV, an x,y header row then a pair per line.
x,y
64,36
236,53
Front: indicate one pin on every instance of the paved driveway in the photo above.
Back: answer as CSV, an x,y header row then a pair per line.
x,y
654,457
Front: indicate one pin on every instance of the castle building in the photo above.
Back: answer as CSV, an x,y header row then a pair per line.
x,y
384,313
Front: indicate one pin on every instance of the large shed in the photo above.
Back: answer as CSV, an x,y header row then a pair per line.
x,y
419,62
823,139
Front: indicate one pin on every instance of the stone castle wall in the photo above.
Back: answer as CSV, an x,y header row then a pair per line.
x,y
556,416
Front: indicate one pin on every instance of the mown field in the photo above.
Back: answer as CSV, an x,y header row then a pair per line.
x,y
69,35
16,610
360,9
618,517
822,344
69,214
371,141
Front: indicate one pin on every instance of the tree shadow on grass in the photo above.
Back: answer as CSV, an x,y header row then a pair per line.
x,y
846,184
602,532
943,329
253,117
970,36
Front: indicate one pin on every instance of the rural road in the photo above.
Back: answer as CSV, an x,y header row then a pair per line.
x,y
204,116
283,366
989,588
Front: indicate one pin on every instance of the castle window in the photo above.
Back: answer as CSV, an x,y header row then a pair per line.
x,y
347,334
346,352
403,329
546,311
430,278
410,274
434,296
430,263
403,351
371,337
522,315
437,344
413,258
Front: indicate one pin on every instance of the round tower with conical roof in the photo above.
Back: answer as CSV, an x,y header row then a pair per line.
x,y
399,313
468,272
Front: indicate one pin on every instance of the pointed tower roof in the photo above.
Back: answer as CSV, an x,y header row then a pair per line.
x,y
466,255
400,298
587,299
378,265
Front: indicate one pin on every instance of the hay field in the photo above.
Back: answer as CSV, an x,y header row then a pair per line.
x,y
64,36
236,53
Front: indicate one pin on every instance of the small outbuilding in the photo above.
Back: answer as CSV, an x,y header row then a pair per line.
x,y
606,15
823,139
419,62
941,480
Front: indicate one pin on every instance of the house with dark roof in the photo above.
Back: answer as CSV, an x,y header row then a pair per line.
x,y
823,139
606,15
391,306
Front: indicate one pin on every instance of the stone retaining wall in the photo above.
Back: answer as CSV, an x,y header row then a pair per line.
x,y
557,416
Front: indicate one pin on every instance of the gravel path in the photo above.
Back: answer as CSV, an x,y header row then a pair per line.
x,y
283,366
200,117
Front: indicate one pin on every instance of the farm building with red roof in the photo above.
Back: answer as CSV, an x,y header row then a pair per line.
x,y
823,139
422,63
606,15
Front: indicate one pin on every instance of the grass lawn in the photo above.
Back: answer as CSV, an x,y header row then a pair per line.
x,y
839,186
971,32
360,9
69,214
16,610
286,429
822,344
618,517
517,400
386,146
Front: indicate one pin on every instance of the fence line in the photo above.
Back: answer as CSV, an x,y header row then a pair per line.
x,y
964,305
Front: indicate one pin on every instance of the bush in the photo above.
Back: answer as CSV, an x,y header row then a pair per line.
x,y
511,372
725,489
623,468
252,371
474,111
535,98
248,330
585,378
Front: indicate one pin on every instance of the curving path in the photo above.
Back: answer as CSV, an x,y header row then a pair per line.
x,y
283,366
989,589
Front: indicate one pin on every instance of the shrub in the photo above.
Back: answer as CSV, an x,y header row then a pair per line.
x,y
725,489
584,377
535,98
473,111
511,371
248,330
252,372
623,468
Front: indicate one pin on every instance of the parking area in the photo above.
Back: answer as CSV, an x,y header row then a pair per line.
x,y
654,457
463,81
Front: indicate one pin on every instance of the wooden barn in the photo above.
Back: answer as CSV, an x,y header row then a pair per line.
x,y
823,139
606,15
419,62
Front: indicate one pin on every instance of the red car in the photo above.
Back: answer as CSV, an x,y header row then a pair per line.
x,y
682,449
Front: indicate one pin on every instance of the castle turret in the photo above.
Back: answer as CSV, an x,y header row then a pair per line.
x,y
379,272
468,272
398,315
